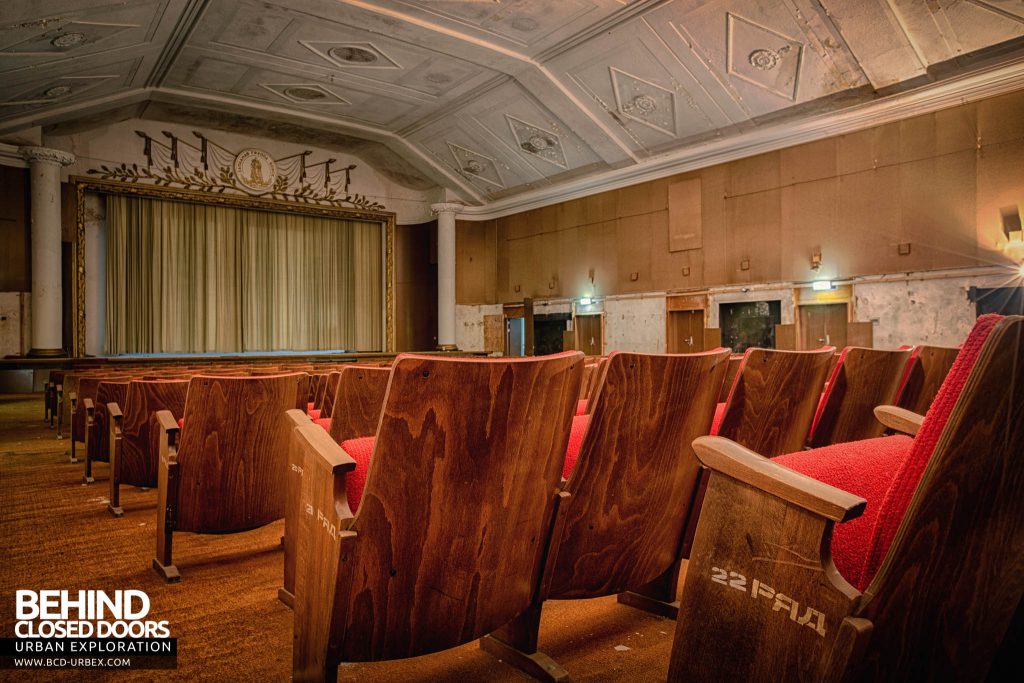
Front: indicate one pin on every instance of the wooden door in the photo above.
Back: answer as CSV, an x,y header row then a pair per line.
x,y
590,334
685,331
823,325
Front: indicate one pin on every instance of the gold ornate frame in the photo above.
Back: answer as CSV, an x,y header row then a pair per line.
x,y
84,184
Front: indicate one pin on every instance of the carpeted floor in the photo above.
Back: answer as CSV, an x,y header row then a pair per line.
x,y
55,533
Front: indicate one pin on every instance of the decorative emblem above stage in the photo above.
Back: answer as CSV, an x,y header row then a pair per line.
x,y
210,167
255,169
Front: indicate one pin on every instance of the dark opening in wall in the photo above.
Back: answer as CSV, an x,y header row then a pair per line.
x,y
1002,300
749,323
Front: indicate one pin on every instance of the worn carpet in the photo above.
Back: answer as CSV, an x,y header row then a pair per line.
x,y
56,533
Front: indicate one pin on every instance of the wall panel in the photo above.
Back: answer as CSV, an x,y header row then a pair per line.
x,y
936,181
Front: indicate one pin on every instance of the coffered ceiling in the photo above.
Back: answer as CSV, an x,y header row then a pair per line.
x,y
489,98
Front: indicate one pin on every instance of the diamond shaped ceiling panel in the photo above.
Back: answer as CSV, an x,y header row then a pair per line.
x,y
763,57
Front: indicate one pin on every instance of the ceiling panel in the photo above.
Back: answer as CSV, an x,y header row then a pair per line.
x,y
491,98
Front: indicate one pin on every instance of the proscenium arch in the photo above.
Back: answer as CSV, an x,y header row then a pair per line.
x,y
85,184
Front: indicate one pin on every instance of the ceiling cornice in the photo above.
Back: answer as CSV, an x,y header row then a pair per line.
x,y
996,81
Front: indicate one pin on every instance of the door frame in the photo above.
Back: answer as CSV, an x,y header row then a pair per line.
x,y
685,302
806,296
576,328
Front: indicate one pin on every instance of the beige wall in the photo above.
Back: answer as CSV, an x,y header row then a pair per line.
x,y
936,181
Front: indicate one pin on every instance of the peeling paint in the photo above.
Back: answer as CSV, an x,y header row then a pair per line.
x,y
469,325
935,312
635,324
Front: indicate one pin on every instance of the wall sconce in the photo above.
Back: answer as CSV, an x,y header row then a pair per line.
x,y
518,288
903,249
1011,225
633,277
816,260
552,283
590,275
686,271
745,264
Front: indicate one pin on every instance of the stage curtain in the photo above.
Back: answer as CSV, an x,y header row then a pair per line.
x,y
195,278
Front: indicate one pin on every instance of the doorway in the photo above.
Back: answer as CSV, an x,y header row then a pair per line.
x,y
823,325
548,332
685,331
746,324
590,334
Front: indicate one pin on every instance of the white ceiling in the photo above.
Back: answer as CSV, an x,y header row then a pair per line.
x,y
490,98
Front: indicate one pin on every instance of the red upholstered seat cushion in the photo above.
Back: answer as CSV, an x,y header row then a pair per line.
x,y
898,498
581,407
324,422
314,413
355,481
716,421
864,468
881,475
579,428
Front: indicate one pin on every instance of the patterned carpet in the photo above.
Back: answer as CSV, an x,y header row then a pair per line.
x,y
55,533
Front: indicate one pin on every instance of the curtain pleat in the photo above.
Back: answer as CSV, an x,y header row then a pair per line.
x,y
194,278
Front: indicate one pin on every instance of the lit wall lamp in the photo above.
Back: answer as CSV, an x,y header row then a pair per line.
x,y
816,260
1011,225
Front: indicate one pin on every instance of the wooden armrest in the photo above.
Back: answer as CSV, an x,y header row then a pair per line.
x,y
899,419
89,408
332,456
115,411
74,399
166,421
733,460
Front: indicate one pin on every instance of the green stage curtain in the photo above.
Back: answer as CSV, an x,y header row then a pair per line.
x,y
194,278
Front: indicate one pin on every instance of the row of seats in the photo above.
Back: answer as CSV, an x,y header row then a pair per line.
x,y
444,500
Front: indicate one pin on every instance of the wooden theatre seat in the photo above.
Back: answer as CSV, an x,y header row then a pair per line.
x,y
97,429
926,371
860,381
923,575
226,472
773,399
448,541
359,396
135,435
628,494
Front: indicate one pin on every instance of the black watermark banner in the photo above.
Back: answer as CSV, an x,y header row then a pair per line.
x,y
88,653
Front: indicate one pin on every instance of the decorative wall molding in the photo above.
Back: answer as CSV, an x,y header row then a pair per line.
x,y
924,100
213,168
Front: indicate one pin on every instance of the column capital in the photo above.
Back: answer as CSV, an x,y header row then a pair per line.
x,y
447,207
46,154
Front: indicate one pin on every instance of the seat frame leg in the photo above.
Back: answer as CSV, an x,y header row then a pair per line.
x,y
516,643
657,597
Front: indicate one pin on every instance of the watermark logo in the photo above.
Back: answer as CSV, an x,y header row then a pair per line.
x,y
59,629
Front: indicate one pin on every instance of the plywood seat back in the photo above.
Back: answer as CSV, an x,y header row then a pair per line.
x,y
108,391
140,433
233,451
358,399
925,373
456,513
773,399
633,483
86,389
861,380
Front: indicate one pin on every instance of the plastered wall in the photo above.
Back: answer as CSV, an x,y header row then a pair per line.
x,y
926,308
935,311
